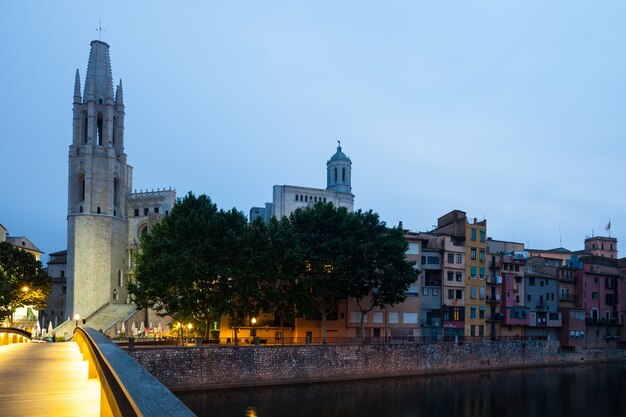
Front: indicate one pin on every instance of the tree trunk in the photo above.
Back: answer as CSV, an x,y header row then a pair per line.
x,y
207,329
323,327
282,331
363,325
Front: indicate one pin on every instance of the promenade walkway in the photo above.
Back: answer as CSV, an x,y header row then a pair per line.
x,y
46,379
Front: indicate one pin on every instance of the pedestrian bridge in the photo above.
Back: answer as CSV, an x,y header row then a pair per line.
x,y
89,376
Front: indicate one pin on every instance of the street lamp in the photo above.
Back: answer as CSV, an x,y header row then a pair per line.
x,y
189,327
253,331
76,318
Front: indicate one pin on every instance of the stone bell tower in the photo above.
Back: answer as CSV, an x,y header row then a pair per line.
x,y
99,184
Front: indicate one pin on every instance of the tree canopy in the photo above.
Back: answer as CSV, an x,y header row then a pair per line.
x,y
203,262
23,282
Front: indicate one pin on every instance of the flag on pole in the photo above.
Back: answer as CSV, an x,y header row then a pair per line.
x,y
608,226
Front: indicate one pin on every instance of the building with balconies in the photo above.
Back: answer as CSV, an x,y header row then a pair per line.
x,y
542,289
600,287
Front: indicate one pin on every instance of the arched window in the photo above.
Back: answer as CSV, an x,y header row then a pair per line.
x,y
84,128
100,122
116,192
119,278
114,129
81,187
343,175
335,174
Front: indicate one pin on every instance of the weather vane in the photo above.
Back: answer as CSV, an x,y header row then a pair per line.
x,y
99,30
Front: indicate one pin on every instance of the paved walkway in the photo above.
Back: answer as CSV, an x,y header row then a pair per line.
x,y
46,379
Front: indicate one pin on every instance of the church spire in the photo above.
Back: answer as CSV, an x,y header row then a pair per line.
x,y
119,94
99,82
77,98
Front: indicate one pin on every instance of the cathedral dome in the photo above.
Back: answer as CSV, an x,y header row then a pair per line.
x,y
339,155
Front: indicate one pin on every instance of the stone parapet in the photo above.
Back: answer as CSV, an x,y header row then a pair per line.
x,y
223,367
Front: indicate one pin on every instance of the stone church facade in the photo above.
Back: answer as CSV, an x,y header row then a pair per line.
x,y
288,198
105,218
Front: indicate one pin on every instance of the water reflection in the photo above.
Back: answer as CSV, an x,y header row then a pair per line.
x,y
592,390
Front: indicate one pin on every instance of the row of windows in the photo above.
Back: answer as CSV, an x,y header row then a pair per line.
x,y
343,175
455,258
455,294
378,317
146,211
481,271
473,235
310,199
99,129
451,275
515,268
430,260
473,254
481,312
481,292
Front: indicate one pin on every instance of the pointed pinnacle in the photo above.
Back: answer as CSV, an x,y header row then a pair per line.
x,y
77,97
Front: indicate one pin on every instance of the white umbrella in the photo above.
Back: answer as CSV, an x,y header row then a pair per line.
x,y
151,328
159,328
141,329
50,326
35,331
123,328
133,329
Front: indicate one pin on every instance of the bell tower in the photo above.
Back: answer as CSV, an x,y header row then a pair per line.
x,y
339,172
99,182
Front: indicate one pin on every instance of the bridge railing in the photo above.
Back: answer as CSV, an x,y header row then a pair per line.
x,y
9,335
127,388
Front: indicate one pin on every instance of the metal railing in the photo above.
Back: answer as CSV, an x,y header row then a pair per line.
x,y
127,388
330,340
10,335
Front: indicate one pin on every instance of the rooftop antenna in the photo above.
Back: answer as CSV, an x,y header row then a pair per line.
x,y
560,238
99,30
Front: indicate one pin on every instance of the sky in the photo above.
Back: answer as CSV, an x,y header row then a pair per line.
x,y
510,111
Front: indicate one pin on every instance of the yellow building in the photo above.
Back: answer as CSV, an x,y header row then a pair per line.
x,y
476,270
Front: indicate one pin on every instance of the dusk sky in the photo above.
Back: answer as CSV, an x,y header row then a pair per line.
x,y
513,111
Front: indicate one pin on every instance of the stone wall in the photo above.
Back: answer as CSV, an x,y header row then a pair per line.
x,y
221,366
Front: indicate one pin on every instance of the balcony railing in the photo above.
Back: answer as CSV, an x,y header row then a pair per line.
x,y
602,321
567,297
494,298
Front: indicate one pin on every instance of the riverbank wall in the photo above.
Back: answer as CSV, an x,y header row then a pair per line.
x,y
218,367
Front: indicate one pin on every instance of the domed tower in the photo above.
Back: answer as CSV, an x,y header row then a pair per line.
x,y
339,172
99,182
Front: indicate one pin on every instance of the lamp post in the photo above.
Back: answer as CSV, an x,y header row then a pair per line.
x,y
189,327
253,331
76,318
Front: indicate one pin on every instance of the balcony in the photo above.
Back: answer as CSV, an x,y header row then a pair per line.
x,y
602,321
494,298
567,297
495,317
541,305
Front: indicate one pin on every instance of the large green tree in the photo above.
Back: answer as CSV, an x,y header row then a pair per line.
x,y
350,255
277,261
323,233
23,282
381,274
190,264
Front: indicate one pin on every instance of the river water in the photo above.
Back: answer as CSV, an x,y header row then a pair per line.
x,y
597,390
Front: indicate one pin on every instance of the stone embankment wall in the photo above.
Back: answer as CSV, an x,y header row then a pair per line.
x,y
224,367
